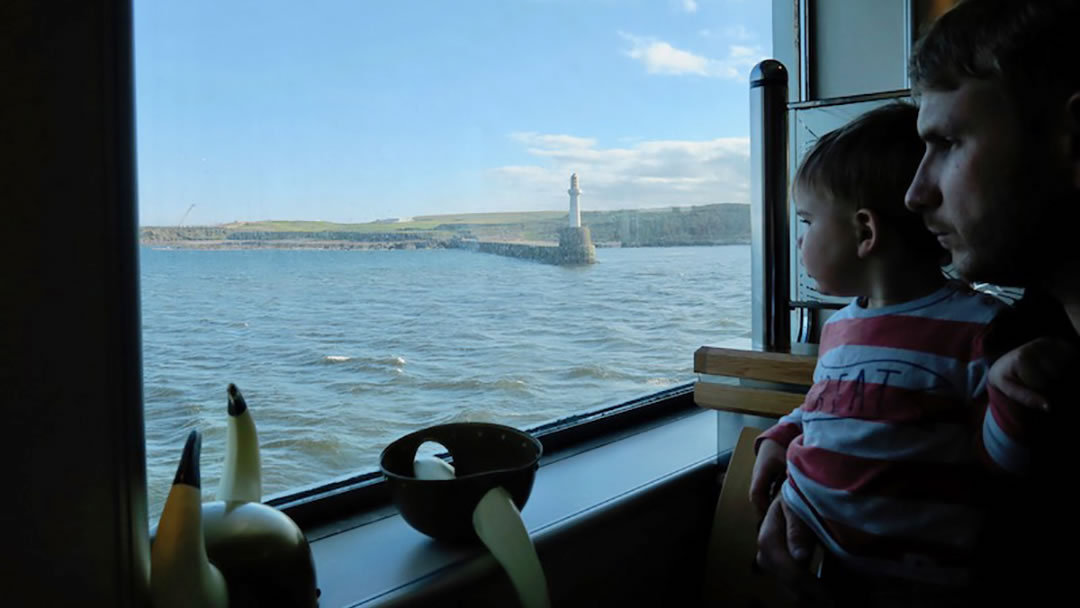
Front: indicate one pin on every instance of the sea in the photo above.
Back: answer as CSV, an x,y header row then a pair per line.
x,y
338,353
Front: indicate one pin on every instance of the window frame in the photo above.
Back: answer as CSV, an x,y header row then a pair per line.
x,y
351,495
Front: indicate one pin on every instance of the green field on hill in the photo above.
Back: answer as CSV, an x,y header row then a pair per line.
x,y
424,222
696,225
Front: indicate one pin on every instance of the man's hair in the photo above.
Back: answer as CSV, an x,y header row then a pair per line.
x,y
1030,45
869,164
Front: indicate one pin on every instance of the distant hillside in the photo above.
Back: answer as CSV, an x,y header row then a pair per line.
x,y
722,223
699,225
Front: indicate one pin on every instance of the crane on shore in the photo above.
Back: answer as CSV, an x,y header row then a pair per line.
x,y
184,217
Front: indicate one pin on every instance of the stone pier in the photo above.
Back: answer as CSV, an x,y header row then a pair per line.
x,y
575,248
575,242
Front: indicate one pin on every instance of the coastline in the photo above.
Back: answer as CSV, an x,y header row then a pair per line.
x,y
703,225
227,245
235,245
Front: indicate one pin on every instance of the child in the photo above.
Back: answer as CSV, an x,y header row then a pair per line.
x,y
885,457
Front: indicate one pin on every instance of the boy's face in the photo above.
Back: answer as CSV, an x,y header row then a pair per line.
x,y
828,243
984,186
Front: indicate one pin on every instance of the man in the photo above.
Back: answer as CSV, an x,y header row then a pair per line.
x,y
998,83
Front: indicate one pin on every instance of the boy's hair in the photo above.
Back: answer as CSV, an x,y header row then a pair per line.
x,y
869,164
1029,45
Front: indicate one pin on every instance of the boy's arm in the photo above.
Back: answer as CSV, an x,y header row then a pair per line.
x,y
1005,438
786,429
770,466
1016,401
1029,373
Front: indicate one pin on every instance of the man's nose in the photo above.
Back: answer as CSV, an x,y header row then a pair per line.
x,y
923,193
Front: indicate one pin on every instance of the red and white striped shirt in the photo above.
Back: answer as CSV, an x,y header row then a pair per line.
x,y
887,455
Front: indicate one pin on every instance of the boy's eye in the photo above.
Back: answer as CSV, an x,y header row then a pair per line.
x,y
803,220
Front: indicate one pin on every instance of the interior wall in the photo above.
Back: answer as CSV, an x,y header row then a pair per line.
x,y
74,503
858,47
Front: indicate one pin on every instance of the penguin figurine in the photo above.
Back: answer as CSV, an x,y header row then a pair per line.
x,y
263,554
181,575
241,479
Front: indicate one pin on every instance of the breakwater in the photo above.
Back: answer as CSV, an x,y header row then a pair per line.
x,y
575,248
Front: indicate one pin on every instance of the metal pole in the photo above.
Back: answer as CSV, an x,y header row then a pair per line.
x,y
770,242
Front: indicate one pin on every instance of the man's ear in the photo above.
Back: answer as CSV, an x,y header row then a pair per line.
x,y
867,230
1072,126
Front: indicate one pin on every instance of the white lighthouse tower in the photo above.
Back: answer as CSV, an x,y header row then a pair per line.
x,y
575,242
575,209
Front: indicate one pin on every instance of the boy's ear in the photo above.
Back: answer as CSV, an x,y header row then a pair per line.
x,y
1072,126
867,227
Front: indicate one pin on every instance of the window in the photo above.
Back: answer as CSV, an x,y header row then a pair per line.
x,y
320,187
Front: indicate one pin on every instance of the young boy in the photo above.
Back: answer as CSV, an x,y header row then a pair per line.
x,y
885,459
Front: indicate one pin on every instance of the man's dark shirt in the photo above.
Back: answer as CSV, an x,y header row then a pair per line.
x,y
1029,551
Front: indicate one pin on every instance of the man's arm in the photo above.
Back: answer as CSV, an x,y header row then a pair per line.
x,y
785,545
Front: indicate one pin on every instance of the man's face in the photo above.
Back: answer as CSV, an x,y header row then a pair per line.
x,y
984,185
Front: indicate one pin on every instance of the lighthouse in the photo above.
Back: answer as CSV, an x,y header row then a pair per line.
x,y
575,209
575,242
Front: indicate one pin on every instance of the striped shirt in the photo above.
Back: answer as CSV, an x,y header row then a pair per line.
x,y
888,454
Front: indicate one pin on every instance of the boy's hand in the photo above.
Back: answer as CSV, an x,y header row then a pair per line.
x,y
1028,373
769,468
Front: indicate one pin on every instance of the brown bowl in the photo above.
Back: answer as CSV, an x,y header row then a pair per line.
x,y
484,456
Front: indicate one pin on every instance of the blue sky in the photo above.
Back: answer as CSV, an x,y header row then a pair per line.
x,y
356,110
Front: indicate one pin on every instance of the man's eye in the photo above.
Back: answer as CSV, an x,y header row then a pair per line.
x,y
941,142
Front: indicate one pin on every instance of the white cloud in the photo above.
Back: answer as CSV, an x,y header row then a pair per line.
x,y
689,6
660,57
738,33
536,139
739,51
643,174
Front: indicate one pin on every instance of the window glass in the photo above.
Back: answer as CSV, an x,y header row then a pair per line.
x,y
332,196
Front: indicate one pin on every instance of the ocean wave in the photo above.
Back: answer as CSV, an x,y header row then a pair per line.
x,y
610,342
325,444
388,361
223,323
511,385
470,414
151,391
596,372
661,382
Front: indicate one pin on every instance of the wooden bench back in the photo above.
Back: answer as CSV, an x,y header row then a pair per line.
x,y
728,384
795,372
